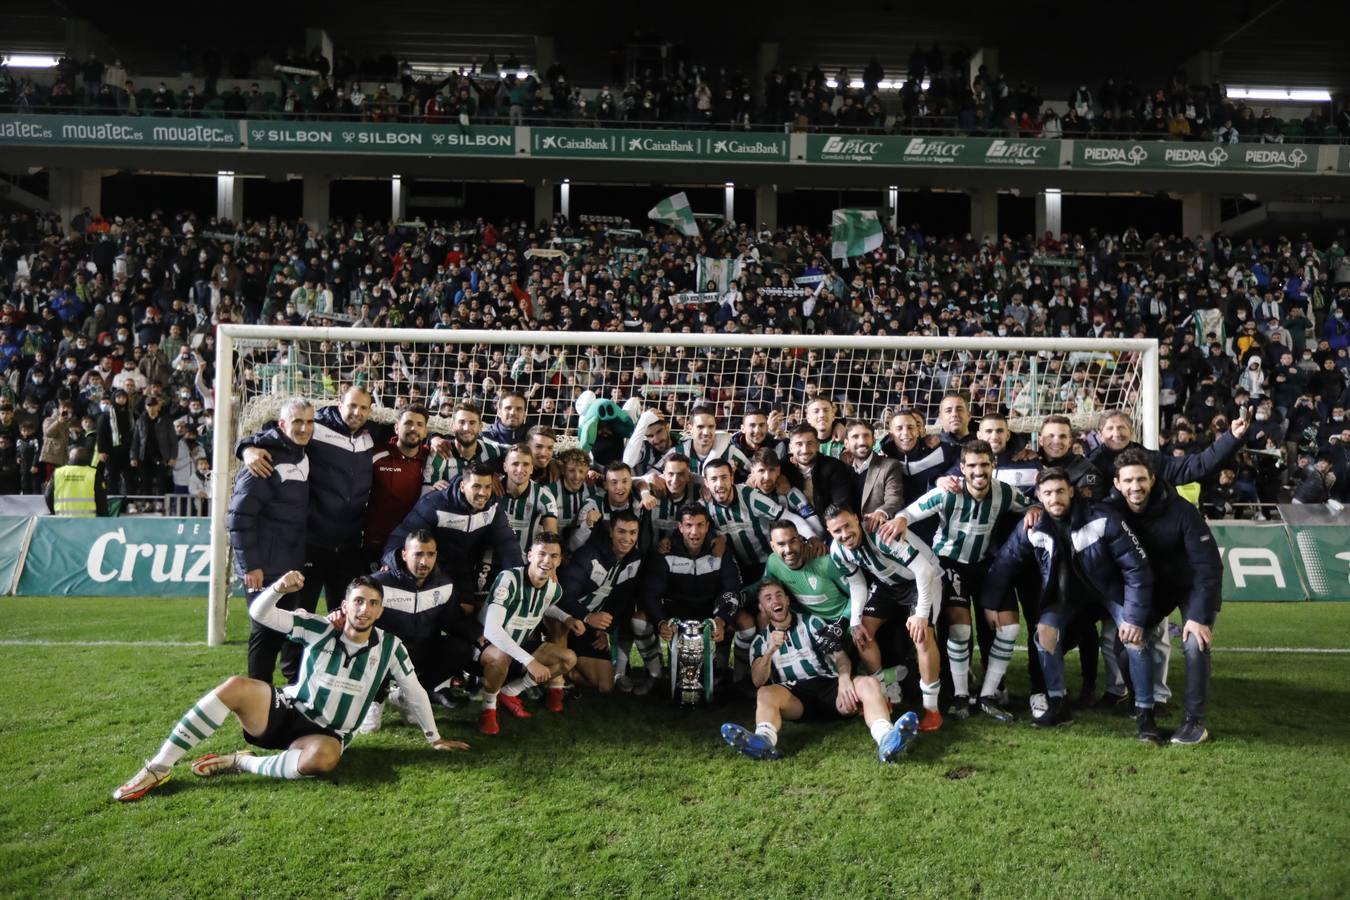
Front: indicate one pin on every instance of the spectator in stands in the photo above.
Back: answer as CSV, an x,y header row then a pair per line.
x,y
153,448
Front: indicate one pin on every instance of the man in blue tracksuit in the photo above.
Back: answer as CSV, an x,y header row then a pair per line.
x,y
466,519
340,455
1087,559
1179,543
266,522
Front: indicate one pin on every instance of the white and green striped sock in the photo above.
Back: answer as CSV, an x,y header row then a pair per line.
x,y
279,765
930,694
197,724
1000,654
648,645
958,655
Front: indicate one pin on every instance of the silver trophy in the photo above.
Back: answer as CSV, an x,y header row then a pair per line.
x,y
691,661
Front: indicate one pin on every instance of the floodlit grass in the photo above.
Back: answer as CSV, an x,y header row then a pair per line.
x,y
623,797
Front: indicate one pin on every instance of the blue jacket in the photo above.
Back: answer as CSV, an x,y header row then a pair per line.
x,y
1179,545
462,533
415,614
342,470
1107,555
267,515
596,580
1172,469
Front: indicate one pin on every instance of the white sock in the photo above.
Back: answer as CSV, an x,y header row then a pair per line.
x,y
280,765
740,654
648,645
621,660
519,686
197,724
490,700
930,694
958,655
768,731
880,728
1000,654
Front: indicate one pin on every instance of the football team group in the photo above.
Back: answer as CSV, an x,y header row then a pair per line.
x,y
832,569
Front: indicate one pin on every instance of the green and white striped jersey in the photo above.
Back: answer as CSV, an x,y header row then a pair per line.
x,y
832,448
438,468
666,516
817,588
338,680
723,448
799,658
523,604
528,510
569,502
746,521
890,563
965,525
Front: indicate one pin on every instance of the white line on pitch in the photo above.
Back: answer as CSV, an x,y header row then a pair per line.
x,y
40,642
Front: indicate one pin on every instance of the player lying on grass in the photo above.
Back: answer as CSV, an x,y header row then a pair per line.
x,y
801,676
310,721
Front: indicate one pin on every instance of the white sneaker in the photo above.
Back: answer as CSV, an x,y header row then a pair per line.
x,y
624,683
400,703
1039,704
373,720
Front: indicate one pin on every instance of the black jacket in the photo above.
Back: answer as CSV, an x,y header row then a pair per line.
x,y
159,430
267,516
832,482
462,533
1172,469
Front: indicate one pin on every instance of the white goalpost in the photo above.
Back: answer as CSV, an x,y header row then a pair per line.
x,y
258,367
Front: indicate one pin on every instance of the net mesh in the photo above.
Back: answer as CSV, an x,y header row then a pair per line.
x,y
867,383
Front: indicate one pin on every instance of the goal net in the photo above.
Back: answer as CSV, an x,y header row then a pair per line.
x,y
866,377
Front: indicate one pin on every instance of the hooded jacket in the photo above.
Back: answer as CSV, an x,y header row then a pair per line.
x,y
1107,555
267,516
1172,469
417,613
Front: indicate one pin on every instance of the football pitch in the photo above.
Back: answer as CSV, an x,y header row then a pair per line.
x,y
622,796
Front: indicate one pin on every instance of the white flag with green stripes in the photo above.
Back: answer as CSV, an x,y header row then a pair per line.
x,y
675,212
854,232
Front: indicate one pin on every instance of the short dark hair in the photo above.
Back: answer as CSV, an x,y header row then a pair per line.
x,y
618,465
977,447
835,510
542,431
624,515
364,581
468,406
693,509
702,411
767,458
479,469
804,428
675,457
993,417
420,536
1134,456
416,409
858,423
1057,419
546,539
717,463
510,392
1053,473
523,449
783,523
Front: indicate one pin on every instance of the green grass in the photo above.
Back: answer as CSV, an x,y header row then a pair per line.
x,y
626,798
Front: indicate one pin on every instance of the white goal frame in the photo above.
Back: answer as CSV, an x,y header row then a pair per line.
x,y
227,404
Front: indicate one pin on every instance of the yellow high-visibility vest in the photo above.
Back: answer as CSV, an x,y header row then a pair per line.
x,y
73,491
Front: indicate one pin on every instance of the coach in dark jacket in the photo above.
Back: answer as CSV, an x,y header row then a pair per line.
x,y
1085,556
1179,544
825,480
267,528
1117,434
466,519
341,455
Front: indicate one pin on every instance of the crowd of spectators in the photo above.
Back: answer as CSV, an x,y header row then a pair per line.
x,y
107,328
938,94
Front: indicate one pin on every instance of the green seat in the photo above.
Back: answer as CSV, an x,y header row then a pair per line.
x,y
1293,128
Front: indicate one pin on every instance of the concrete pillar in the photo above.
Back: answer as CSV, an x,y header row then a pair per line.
x,y
71,190
766,206
317,36
543,202
314,205
1199,214
890,199
565,199
398,199
984,215
1049,213
229,196
545,54
765,61
729,202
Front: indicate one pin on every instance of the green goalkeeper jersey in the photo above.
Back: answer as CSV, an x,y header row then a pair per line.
x,y
817,588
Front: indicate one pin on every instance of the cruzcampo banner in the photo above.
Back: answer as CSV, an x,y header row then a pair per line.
x,y
1258,562
1171,156
1324,553
997,153
703,146
119,131
379,137
122,557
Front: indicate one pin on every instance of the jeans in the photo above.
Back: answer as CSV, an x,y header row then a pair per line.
x,y
1196,700
1160,644
1058,617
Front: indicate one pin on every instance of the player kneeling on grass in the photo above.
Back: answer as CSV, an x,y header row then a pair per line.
x,y
515,659
801,676
312,720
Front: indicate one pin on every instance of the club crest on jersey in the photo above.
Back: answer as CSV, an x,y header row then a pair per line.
x,y
814,582
501,594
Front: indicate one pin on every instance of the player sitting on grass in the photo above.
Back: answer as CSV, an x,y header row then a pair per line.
x,y
310,721
515,659
800,677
